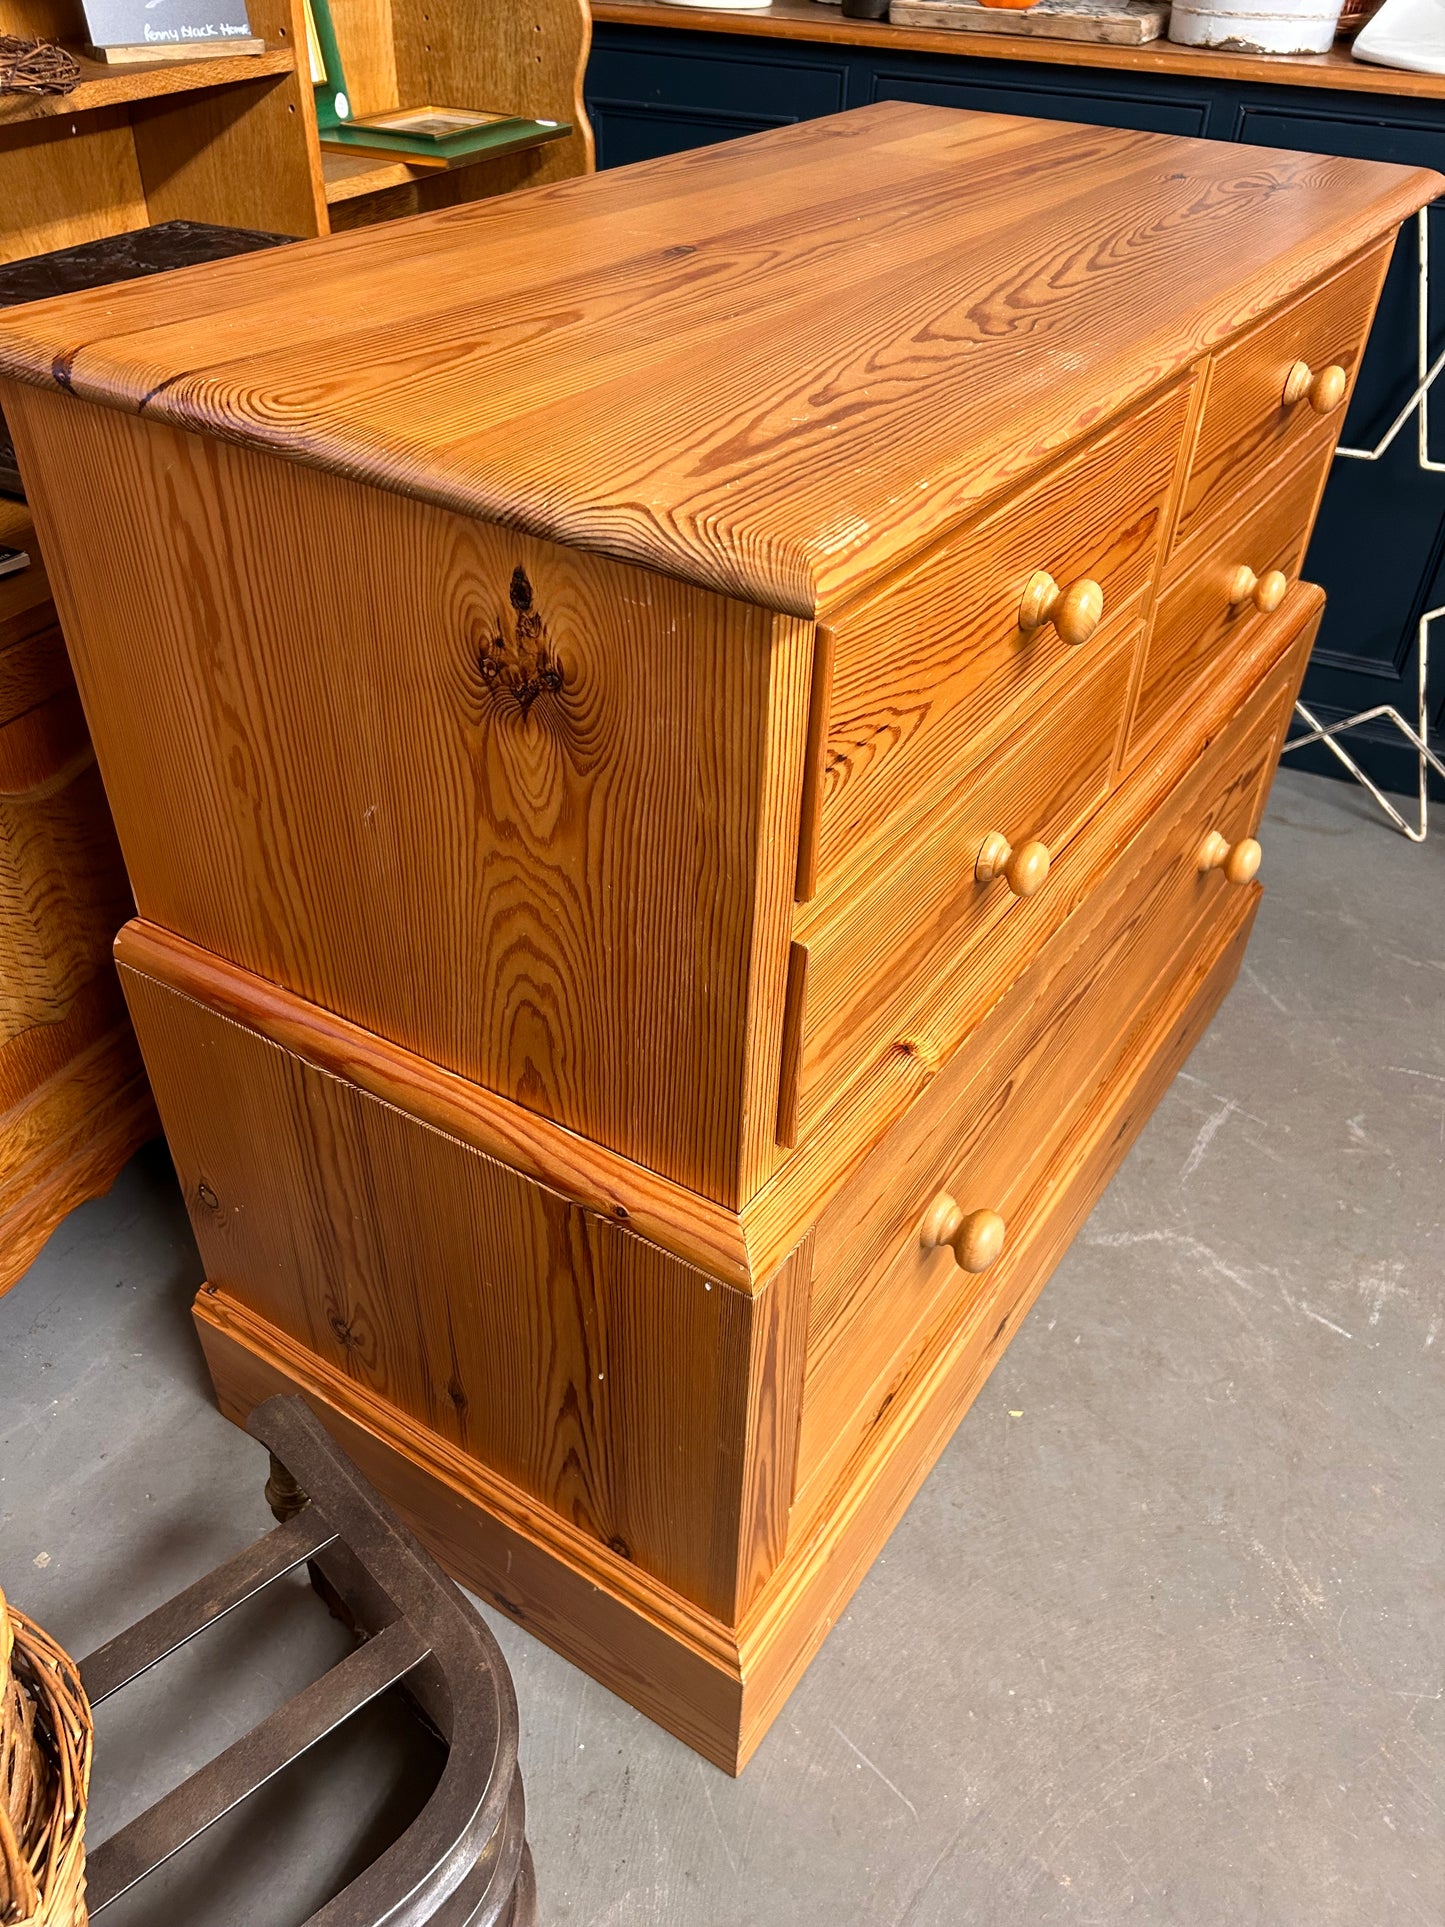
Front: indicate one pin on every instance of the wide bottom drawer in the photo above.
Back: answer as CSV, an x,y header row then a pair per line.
x,y
898,1253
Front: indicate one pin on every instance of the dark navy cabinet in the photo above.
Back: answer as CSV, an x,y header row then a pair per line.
x,y
1379,547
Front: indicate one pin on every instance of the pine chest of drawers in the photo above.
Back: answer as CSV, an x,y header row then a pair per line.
x,y
688,747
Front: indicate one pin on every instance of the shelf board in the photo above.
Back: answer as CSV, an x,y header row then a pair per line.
x,y
105,86
349,176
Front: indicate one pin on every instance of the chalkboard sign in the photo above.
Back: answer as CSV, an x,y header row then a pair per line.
x,y
165,24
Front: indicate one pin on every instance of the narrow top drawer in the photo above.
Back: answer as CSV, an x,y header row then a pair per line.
x,y
932,671
1281,391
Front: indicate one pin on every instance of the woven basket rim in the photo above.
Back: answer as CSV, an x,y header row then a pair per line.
x,y
46,1743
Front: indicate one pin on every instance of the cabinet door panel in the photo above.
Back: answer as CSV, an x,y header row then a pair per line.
x,y
994,87
646,99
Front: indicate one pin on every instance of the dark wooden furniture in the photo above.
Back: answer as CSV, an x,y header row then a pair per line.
x,y
689,749
464,1860
662,79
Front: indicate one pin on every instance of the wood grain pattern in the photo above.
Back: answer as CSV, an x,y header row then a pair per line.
x,y
470,760
73,1102
673,1662
491,810
620,1390
63,891
825,1563
613,1188
988,1129
905,952
805,20
934,669
1195,622
78,1129
649,384
72,191
1246,425
1120,23
799,1194
717,1687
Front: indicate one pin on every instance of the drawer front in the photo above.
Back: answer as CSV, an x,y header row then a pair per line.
x,y
25,605
1247,424
33,670
1196,619
986,1138
928,675
886,962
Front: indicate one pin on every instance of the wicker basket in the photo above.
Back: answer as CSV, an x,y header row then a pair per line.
x,y
45,1744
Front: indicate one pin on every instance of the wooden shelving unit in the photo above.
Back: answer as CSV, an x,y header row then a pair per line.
x,y
234,141
104,86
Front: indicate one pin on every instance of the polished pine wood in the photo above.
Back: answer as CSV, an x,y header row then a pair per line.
x,y
661,404
945,649
601,1377
718,1685
1006,1106
73,1099
1253,418
667,810
1218,588
478,715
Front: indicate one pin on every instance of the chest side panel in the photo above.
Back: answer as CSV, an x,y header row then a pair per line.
x,y
501,802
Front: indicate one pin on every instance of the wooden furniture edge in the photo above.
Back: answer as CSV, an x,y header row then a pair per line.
x,y
102,86
715,1689
572,1578
775,1218
820,1571
681,1222
76,1174
1336,70
766,567
743,1249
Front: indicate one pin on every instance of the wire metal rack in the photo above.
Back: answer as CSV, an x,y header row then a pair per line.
x,y
1416,734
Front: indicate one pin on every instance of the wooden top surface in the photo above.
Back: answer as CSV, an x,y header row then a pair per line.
x,y
807,20
775,367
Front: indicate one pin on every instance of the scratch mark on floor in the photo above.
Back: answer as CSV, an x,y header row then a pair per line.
x,y
1252,976
1209,1130
703,1772
1381,1285
874,1769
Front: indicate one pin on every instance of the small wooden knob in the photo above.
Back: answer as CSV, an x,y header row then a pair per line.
x,y
1075,612
1025,869
1265,591
1323,391
975,1237
1239,861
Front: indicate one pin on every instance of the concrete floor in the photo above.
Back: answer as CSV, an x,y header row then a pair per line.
x,y
1160,1640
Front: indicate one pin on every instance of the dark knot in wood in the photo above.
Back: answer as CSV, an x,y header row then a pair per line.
x,y
525,667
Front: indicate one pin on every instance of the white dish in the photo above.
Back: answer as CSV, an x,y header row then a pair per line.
x,y
1405,33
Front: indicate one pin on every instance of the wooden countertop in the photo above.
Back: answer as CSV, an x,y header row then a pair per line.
x,y
809,20
775,367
